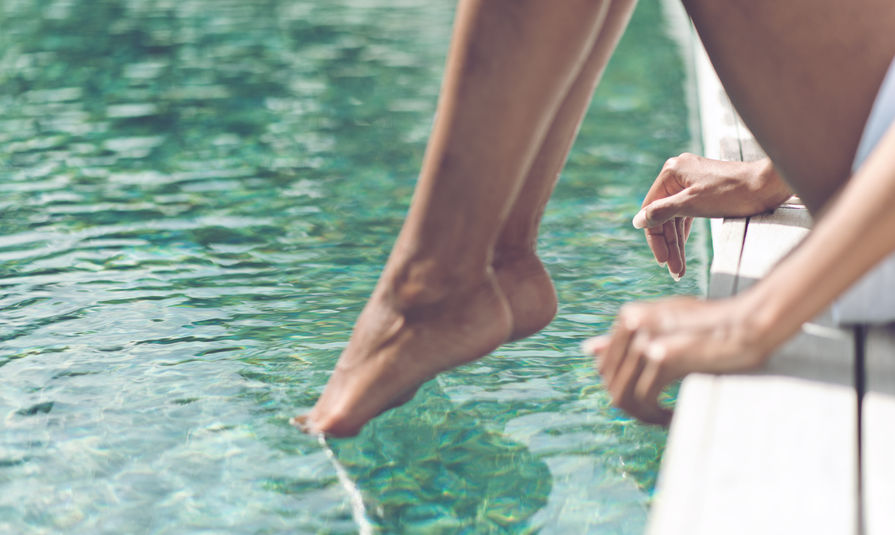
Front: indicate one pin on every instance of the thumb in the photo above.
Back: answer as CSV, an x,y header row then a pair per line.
x,y
661,210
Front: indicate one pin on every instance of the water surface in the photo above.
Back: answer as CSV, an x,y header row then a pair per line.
x,y
196,197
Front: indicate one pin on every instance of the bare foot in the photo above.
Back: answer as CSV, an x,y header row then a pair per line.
x,y
401,341
529,291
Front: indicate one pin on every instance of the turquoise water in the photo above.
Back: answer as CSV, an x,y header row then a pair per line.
x,y
196,197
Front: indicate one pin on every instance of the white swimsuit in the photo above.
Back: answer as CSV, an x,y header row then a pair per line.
x,y
872,298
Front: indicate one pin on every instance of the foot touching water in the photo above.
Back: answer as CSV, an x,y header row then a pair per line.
x,y
400,343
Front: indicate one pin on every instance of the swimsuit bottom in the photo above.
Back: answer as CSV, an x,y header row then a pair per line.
x,y
872,298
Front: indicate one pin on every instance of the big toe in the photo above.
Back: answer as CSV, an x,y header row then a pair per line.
x,y
333,425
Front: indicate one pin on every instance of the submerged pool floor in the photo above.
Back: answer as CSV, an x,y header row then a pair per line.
x,y
196,197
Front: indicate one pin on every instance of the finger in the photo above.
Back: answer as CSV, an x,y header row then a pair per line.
x,y
621,386
672,242
663,185
681,242
656,416
662,209
595,347
667,183
655,239
622,332
655,377
688,225
626,393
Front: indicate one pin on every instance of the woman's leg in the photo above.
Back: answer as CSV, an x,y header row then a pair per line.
x,y
522,277
437,304
803,75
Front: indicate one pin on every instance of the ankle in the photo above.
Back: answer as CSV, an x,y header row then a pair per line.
x,y
419,283
770,189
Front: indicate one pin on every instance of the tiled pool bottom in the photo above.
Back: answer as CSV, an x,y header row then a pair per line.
x,y
195,200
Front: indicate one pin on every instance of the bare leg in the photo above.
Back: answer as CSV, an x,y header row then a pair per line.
x,y
437,304
805,82
519,271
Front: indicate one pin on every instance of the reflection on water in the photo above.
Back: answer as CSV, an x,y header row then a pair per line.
x,y
195,199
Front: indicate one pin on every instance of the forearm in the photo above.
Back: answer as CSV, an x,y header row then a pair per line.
x,y
856,232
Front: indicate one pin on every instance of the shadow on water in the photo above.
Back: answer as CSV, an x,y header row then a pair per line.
x,y
435,466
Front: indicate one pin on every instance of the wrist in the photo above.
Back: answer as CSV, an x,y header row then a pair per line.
x,y
771,319
771,187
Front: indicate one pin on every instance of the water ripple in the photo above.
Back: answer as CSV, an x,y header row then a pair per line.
x,y
197,198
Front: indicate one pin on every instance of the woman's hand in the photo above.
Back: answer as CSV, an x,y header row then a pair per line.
x,y
653,344
692,186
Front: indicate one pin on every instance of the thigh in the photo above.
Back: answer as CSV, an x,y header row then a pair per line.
x,y
803,74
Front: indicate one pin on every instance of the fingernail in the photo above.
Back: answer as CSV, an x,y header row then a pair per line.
x,y
639,220
662,264
674,275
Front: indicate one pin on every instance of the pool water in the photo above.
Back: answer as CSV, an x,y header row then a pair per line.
x,y
196,197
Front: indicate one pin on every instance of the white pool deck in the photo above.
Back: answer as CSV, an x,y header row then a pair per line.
x,y
804,446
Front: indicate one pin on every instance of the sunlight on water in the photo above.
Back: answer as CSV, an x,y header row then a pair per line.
x,y
358,511
196,198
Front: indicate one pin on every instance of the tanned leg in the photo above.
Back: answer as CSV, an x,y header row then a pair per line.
x,y
522,277
437,304
803,75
